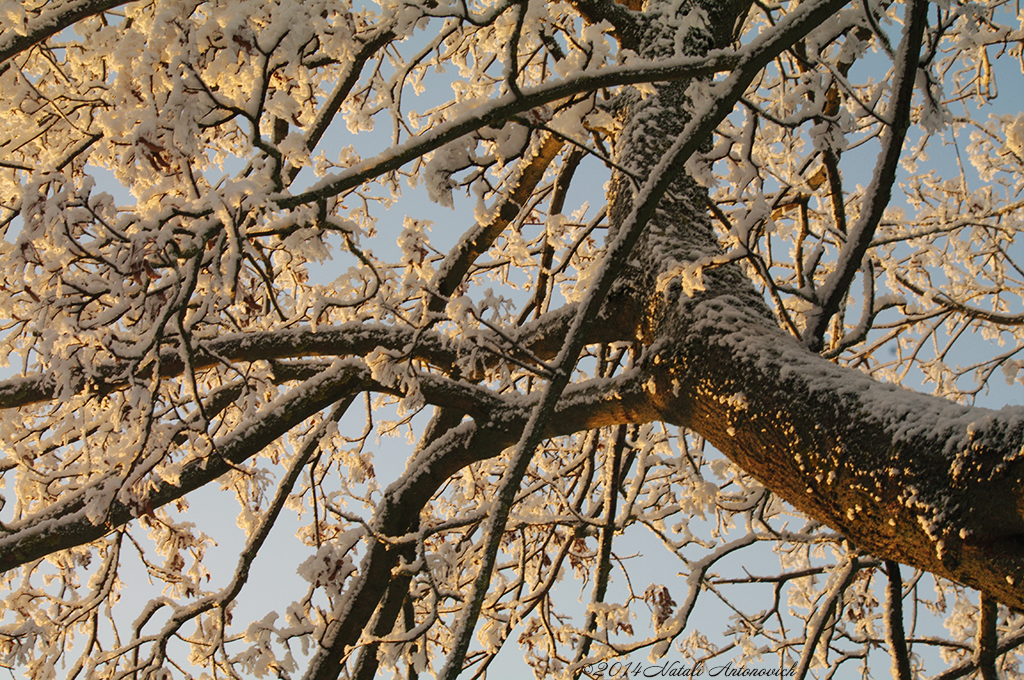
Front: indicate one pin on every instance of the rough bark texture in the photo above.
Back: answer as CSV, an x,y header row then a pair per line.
x,y
905,476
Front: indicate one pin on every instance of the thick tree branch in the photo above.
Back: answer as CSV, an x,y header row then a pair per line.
x,y
541,338
390,608
71,521
914,478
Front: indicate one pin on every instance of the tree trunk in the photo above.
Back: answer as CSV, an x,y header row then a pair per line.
x,y
909,477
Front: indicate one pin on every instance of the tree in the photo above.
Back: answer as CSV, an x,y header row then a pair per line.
x,y
738,292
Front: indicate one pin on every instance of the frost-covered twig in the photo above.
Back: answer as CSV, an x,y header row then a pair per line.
x,y
839,581
878,193
226,595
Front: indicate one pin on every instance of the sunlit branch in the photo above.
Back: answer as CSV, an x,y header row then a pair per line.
x,y
533,431
561,187
512,48
78,150
479,238
948,227
871,309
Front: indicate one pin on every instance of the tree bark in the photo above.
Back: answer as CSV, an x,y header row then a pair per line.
x,y
905,476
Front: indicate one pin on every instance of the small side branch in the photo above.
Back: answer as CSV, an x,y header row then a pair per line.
x,y
841,579
987,650
1008,644
353,69
895,636
613,464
